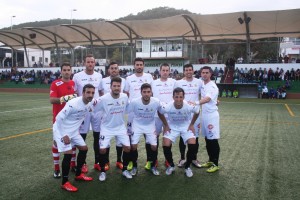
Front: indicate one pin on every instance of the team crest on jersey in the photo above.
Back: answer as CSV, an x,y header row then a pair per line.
x,y
210,126
141,81
123,102
117,103
102,137
58,83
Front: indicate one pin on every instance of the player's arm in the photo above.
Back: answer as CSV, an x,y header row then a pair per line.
x,y
204,100
191,126
61,116
160,113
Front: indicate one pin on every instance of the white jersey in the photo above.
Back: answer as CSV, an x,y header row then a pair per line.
x,y
179,119
191,89
143,115
113,111
81,79
134,83
210,90
71,117
105,85
163,90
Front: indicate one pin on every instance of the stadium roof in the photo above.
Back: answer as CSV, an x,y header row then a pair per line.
x,y
203,28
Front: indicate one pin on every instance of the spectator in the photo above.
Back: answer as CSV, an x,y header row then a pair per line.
x,y
235,93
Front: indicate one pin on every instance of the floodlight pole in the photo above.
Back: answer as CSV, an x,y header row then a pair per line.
x,y
11,19
72,15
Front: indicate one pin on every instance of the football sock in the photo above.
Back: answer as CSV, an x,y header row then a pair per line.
x,y
148,149
168,155
96,146
215,151
134,157
73,160
153,157
102,161
182,149
190,154
107,155
83,135
208,149
197,148
126,159
65,167
80,161
119,153
55,155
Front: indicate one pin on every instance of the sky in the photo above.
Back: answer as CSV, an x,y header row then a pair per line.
x,y
38,10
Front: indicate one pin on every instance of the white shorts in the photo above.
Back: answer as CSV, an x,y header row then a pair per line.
x,y
122,139
76,140
92,119
210,125
151,138
173,134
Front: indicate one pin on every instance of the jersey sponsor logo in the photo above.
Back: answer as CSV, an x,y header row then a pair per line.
x,y
133,81
110,104
140,109
210,126
51,91
84,79
59,83
102,137
159,85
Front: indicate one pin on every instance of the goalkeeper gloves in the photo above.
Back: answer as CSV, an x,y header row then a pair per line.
x,y
67,98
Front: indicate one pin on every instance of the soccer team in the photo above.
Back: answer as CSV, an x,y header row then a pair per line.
x,y
153,107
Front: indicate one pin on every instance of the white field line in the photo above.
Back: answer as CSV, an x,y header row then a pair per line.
x,y
10,111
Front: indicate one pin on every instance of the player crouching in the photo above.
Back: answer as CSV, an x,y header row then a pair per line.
x,y
66,134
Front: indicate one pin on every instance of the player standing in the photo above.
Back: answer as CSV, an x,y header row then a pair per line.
x,y
89,76
132,89
162,89
181,123
66,134
210,124
114,71
191,87
144,110
113,105
61,90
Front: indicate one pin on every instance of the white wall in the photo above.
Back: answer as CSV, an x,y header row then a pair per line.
x,y
37,54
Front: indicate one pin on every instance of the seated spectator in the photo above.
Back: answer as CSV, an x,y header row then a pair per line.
x,y
224,94
221,72
287,84
265,92
235,93
272,93
297,75
229,93
17,78
279,92
283,92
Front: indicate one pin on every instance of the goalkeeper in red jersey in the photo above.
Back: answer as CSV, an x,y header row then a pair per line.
x,y
61,91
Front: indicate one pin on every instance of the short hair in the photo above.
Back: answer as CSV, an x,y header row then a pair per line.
x,y
187,66
115,79
178,90
87,86
112,63
206,67
65,64
164,64
145,86
138,59
89,56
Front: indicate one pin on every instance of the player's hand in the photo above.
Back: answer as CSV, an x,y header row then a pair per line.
x,y
191,128
66,139
166,129
67,98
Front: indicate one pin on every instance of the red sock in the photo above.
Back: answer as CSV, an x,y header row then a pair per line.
x,y
55,155
73,163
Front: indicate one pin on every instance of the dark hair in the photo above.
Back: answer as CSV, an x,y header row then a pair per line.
x,y
145,86
89,56
138,59
115,79
178,90
87,86
112,63
164,64
187,66
65,64
206,67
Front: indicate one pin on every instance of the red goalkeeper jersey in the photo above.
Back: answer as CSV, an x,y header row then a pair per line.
x,y
58,89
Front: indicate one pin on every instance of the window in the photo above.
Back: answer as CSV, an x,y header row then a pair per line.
x,y
32,58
